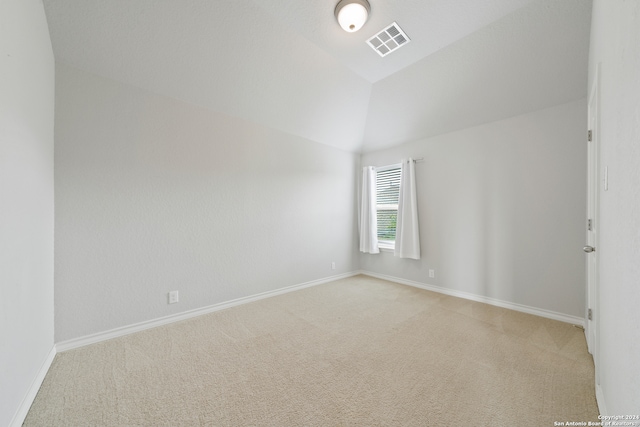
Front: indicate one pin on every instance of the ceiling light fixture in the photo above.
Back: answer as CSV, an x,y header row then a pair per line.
x,y
352,14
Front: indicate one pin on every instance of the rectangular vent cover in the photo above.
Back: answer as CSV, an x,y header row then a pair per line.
x,y
390,39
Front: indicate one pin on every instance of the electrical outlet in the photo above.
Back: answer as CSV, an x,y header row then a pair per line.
x,y
333,265
173,297
432,273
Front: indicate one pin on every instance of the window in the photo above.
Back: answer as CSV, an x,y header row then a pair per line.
x,y
388,185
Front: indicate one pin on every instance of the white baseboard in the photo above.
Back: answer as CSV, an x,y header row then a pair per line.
x,y
602,407
137,327
28,399
479,298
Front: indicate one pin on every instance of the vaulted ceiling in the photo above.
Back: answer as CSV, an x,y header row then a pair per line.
x,y
287,64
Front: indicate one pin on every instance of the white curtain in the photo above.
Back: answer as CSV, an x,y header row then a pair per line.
x,y
368,215
407,230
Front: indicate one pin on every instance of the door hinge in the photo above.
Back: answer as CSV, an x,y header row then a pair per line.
x,y
590,224
589,136
590,314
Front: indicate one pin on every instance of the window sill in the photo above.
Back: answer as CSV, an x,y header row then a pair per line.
x,y
387,247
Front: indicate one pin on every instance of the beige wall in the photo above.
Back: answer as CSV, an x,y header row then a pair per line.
x,y
155,195
501,210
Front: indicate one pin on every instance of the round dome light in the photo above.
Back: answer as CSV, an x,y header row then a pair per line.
x,y
352,14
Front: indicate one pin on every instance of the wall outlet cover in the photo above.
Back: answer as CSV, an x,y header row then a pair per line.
x,y
173,297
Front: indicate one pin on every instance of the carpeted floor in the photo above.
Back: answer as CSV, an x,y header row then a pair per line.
x,y
354,352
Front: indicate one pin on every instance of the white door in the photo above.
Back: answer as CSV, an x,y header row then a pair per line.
x,y
591,247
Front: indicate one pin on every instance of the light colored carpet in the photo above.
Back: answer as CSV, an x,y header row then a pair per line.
x,y
354,352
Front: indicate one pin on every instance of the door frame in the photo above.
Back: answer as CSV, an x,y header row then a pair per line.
x,y
592,330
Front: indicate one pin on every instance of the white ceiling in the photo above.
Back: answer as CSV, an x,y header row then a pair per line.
x,y
430,24
534,58
287,64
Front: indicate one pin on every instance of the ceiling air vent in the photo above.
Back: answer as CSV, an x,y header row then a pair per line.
x,y
390,39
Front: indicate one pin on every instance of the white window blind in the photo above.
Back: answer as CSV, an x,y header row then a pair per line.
x,y
388,192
